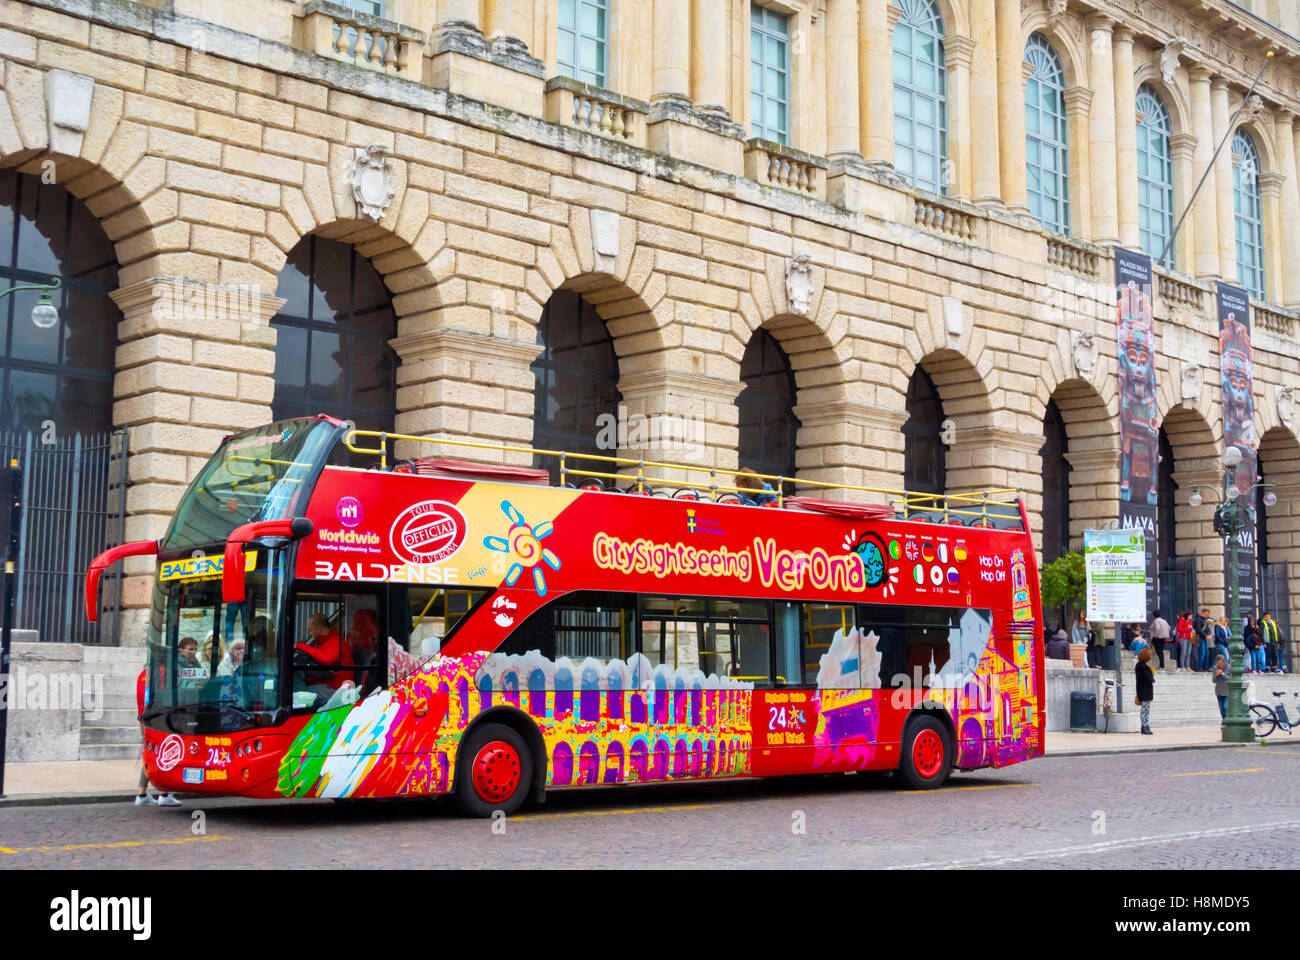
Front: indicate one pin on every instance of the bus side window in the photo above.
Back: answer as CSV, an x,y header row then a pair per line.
x,y
833,657
430,615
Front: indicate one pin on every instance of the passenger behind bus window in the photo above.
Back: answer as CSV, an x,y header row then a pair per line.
x,y
325,648
231,670
362,642
189,671
747,479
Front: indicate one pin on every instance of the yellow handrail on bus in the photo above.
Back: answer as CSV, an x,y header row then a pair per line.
x,y
905,501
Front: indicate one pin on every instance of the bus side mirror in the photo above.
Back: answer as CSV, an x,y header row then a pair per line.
x,y
232,567
138,548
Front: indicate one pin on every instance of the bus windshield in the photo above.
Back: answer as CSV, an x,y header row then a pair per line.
x,y
261,474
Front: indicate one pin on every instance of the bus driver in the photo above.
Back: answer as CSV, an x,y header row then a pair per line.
x,y
324,646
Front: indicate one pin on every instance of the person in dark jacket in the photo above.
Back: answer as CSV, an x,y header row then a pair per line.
x,y
1203,627
1250,636
1058,648
1146,683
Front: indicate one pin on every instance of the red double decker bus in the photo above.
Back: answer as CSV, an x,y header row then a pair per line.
x,y
436,626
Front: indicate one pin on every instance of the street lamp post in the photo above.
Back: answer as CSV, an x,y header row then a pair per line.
x,y
1232,511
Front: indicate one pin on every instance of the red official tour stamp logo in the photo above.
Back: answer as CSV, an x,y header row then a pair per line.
x,y
170,753
428,532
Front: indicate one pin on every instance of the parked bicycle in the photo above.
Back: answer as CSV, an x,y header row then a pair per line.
x,y
1266,719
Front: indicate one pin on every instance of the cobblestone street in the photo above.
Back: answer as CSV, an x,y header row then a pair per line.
x,y
1230,808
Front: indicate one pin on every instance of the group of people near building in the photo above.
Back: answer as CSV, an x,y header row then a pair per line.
x,y
1197,639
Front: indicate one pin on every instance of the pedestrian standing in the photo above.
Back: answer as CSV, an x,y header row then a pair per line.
x,y
1080,632
1220,678
1221,638
1160,633
1185,635
1254,645
1145,686
1203,627
1272,650
142,792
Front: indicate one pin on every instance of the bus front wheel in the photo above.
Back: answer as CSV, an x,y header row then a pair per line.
x,y
495,771
927,754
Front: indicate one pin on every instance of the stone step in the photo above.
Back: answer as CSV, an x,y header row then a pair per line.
x,y
108,751
111,718
128,655
110,735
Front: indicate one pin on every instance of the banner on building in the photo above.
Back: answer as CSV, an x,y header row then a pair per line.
x,y
1116,566
1139,426
1238,380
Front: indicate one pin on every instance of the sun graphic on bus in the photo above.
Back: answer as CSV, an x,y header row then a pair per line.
x,y
523,544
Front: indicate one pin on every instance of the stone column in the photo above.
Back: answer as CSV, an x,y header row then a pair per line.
x,y
958,53
1126,140
985,155
849,442
696,413
1078,106
1205,213
510,18
1288,238
1183,148
709,66
461,13
467,386
1222,182
843,134
1101,130
195,362
672,50
876,73
1011,106
1271,185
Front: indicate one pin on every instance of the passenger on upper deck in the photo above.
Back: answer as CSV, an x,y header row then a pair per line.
x,y
747,479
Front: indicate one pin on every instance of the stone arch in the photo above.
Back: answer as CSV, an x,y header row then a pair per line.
x,y
967,405
956,17
1073,54
1261,134
1195,444
1175,98
1278,536
1093,454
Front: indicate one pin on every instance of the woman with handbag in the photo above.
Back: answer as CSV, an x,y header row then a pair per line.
x,y
1145,686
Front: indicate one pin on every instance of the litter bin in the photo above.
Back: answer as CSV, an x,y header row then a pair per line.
x,y
1083,711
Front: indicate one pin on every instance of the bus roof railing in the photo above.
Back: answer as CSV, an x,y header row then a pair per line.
x,y
909,504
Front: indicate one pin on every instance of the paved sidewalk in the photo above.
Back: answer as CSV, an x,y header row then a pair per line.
x,y
94,781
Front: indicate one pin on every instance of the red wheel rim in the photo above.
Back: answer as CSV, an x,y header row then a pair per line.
x,y
496,771
927,753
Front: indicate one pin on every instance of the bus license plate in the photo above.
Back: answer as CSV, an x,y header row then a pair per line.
x,y
193,775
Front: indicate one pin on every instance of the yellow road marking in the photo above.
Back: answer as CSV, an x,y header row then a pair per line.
x,y
613,813
1214,773
117,844
984,786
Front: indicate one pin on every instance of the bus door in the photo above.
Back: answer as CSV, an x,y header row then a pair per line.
x,y
337,649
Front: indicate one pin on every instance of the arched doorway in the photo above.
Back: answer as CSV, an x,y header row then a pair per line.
x,y
924,454
1056,485
576,396
332,334
767,424
56,403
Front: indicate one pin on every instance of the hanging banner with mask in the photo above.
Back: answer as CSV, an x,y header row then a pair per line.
x,y
1138,422
1238,381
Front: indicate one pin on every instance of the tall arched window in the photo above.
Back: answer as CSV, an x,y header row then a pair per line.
x,y
331,350
1056,485
1047,148
924,455
62,374
920,96
576,376
768,428
1248,204
1155,174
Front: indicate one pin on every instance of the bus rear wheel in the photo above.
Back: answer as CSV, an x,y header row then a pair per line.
x,y
927,754
495,771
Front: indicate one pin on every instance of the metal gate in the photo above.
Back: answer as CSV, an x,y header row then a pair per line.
x,y
1178,587
1275,597
74,507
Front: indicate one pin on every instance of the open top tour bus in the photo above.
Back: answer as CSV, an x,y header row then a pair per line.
x,y
436,626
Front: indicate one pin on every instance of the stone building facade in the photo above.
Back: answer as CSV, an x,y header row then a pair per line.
x,y
445,145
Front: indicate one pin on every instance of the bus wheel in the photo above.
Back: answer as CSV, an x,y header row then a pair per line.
x,y
495,771
927,754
